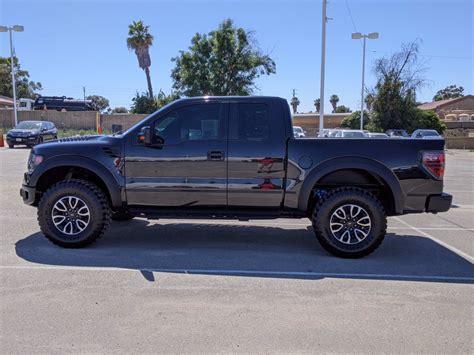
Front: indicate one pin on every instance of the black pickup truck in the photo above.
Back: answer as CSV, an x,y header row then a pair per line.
x,y
232,158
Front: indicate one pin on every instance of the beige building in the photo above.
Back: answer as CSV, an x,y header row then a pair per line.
x,y
6,102
459,109
310,121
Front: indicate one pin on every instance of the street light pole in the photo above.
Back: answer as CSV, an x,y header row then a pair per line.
x,y
13,77
16,28
358,35
362,91
323,66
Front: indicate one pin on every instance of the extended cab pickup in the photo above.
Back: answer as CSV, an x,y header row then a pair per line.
x,y
233,158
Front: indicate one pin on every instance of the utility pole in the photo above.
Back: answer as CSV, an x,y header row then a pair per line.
x,y
323,65
84,91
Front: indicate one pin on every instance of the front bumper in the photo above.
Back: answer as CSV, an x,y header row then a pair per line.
x,y
21,140
438,203
28,194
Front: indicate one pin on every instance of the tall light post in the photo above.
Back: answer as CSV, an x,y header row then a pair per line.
x,y
358,35
323,66
16,28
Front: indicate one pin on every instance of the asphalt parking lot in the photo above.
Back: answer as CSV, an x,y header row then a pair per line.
x,y
259,286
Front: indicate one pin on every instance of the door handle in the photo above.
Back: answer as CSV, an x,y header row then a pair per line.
x,y
215,155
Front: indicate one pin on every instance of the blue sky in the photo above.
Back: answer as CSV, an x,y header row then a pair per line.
x,y
70,44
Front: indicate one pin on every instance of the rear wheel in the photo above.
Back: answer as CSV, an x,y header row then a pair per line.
x,y
73,213
349,222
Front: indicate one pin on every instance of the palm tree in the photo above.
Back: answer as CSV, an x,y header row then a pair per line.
x,y
334,99
140,40
317,104
369,101
294,103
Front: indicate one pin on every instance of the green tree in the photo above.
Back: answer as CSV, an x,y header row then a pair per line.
x,y
317,104
398,78
353,120
120,109
223,62
427,120
334,99
142,103
162,99
140,40
294,104
342,109
25,88
449,92
99,103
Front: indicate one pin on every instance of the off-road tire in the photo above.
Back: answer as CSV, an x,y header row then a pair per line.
x,y
334,199
121,215
96,202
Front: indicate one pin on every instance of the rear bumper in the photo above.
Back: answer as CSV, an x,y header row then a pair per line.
x,y
438,203
28,194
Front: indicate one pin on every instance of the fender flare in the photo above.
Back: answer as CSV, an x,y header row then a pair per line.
x,y
367,164
112,183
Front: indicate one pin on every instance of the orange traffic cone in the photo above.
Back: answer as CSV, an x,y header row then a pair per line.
x,y
2,144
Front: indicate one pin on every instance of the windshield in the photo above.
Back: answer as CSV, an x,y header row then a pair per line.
x,y
429,133
297,129
28,125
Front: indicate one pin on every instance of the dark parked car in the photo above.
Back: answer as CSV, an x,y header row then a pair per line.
x,y
30,133
232,158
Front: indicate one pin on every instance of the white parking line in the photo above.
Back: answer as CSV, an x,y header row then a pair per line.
x,y
436,240
256,273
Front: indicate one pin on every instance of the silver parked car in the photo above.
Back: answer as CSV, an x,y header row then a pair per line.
x,y
298,132
377,135
350,133
426,134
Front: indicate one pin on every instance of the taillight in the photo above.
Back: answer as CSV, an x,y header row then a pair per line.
x,y
434,162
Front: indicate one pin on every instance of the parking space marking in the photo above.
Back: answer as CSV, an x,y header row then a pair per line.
x,y
436,240
256,273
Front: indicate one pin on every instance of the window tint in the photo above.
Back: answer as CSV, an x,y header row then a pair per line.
x,y
190,123
254,122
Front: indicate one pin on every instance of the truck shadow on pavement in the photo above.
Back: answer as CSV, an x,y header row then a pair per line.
x,y
248,250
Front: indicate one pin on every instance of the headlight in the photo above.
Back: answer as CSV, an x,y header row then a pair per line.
x,y
33,161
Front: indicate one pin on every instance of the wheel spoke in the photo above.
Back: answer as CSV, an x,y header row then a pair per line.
x,y
350,224
336,227
70,215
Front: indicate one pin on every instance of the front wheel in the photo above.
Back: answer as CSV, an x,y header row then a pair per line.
x,y
73,213
349,222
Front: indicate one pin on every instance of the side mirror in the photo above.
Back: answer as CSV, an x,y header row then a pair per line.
x,y
145,136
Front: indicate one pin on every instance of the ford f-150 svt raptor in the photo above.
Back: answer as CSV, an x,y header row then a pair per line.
x,y
232,158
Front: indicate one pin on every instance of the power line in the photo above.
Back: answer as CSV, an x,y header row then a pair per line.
x,y
350,15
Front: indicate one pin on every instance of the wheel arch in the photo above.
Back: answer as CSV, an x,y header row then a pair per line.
x,y
375,169
58,168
